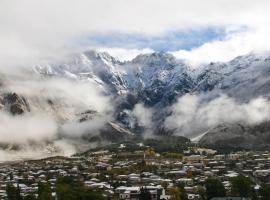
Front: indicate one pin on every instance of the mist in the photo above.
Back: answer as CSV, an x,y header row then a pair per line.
x,y
30,127
192,116
144,117
56,107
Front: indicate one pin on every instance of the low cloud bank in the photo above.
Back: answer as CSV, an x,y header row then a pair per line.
x,y
190,116
30,127
57,107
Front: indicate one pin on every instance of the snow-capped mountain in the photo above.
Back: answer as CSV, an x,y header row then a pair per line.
x,y
244,77
158,77
156,80
92,66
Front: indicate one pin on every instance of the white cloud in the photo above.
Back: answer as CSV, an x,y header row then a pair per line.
x,y
191,116
46,120
30,127
235,44
125,54
38,151
35,30
144,117
90,128
66,94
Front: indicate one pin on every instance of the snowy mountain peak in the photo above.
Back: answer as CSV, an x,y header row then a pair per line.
x,y
155,59
156,80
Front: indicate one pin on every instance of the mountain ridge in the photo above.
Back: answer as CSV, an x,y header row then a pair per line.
x,y
157,80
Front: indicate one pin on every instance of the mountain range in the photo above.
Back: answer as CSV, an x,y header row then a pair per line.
x,y
157,81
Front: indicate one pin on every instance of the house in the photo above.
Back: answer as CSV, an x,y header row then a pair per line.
x,y
133,193
233,156
261,173
193,196
103,166
185,181
219,157
163,196
128,193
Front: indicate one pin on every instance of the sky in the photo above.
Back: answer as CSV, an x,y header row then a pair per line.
x,y
35,31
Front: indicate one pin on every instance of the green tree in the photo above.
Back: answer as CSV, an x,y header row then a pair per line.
x,y
44,191
29,197
18,193
11,176
264,192
88,194
181,188
241,186
13,193
214,188
68,188
144,194
202,192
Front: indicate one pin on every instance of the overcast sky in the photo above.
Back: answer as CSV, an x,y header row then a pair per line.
x,y
35,31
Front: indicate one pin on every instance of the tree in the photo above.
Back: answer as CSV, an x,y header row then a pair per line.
x,y
202,192
144,194
264,192
88,194
68,188
11,176
189,174
13,193
44,191
175,193
214,188
164,184
18,193
183,193
29,197
150,152
241,186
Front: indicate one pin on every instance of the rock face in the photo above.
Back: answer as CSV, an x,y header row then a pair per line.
x,y
239,135
157,79
15,104
112,131
151,78
115,132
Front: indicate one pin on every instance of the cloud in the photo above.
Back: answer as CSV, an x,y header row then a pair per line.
x,y
144,117
234,44
92,127
56,105
191,116
36,31
125,54
40,150
30,127
70,95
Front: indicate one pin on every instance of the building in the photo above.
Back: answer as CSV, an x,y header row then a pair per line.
x,y
133,193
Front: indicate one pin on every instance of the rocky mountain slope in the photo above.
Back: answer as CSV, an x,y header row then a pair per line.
x,y
239,135
157,80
